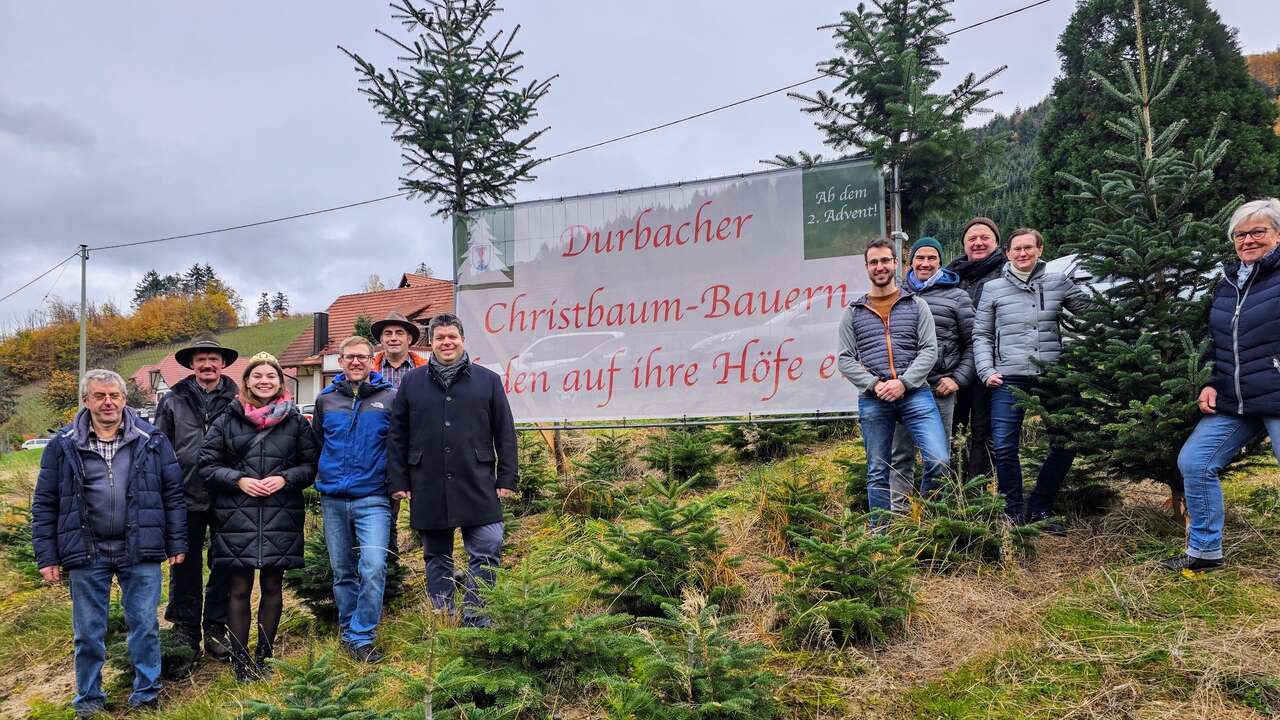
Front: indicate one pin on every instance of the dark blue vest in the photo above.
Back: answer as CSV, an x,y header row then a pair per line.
x,y
1245,325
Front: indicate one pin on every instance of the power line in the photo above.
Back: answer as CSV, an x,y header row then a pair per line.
x,y
584,148
35,279
54,284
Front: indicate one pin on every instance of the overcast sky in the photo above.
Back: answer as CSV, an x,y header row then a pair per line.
x,y
129,121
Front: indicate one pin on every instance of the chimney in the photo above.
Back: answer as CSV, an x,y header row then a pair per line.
x,y
319,332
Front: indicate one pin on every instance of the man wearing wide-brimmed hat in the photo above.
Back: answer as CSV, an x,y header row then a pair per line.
x,y
184,415
397,334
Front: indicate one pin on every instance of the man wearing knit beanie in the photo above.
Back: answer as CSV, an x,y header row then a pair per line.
x,y
925,241
982,262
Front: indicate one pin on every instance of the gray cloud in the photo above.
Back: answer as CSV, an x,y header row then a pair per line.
x,y
42,125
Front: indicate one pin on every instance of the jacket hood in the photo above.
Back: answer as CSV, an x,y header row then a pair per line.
x,y
131,426
1266,265
943,278
374,382
966,268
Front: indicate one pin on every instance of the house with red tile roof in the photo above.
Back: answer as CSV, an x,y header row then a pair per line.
x,y
156,379
313,355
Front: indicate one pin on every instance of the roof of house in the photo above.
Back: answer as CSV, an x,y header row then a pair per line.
x,y
172,373
419,298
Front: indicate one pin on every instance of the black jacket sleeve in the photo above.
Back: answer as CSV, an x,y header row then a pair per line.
x,y
175,504
44,507
398,441
163,420
964,373
504,437
303,473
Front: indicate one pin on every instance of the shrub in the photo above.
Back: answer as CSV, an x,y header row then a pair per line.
x,y
768,441
313,582
847,586
15,541
315,689
964,523
595,490
687,453
694,670
854,473
792,505
538,479
641,570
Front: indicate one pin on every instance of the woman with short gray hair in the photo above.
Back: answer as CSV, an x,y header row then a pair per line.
x,y
1242,398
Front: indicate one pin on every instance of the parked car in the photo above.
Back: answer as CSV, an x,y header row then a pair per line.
x,y
35,443
308,411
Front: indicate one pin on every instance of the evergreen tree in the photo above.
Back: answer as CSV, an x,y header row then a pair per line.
x,y
640,569
313,582
794,505
1126,383
280,305
424,269
1076,138
315,690
685,453
264,308
962,526
364,328
457,108
595,488
847,586
884,104
537,476
695,670
768,440
150,286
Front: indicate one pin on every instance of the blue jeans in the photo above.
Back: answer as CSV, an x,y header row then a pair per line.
x,y
483,544
356,532
1006,438
1216,440
918,413
90,602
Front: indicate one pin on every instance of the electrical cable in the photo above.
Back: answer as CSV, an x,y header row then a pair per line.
x,y
35,279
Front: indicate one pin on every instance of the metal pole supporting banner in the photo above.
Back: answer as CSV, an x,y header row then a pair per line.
x,y
84,313
899,237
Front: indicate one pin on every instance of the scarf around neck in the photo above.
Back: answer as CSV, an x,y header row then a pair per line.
x,y
447,373
269,415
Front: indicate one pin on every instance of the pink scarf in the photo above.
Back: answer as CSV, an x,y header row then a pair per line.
x,y
270,414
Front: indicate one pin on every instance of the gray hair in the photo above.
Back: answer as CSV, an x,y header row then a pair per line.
x,y
1268,208
101,377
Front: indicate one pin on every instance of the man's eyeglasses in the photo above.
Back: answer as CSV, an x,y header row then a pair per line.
x,y
100,396
1254,234
356,358
881,261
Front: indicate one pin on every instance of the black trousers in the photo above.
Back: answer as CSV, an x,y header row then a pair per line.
x,y
187,587
973,411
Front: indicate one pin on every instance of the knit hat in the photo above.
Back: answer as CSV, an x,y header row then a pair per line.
x,y
995,229
926,241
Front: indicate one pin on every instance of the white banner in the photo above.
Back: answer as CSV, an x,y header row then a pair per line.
x,y
709,298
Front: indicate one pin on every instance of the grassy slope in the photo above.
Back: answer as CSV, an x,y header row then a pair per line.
x,y
272,337
32,416
1086,629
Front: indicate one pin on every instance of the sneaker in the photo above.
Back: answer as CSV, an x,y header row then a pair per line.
x,y
145,706
366,653
216,647
1194,564
83,713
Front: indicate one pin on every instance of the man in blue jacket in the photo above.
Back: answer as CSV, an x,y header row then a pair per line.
x,y
109,503
351,418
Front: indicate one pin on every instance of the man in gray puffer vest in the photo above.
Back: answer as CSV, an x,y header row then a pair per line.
x,y
953,322
888,347
1015,334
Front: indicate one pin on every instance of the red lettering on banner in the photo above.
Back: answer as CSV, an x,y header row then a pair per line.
x,y
597,380
650,374
769,368
522,381
827,369
704,228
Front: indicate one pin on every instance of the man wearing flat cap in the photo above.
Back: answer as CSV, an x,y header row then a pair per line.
x,y
397,334
184,415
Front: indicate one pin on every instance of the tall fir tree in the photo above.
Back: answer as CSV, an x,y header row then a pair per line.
x,y
1126,383
884,104
150,286
458,109
264,308
364,328
1075,138
280,305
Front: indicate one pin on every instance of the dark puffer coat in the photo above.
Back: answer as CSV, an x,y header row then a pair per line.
x,y
452,447
258,532
953,323
976,273
184,416
1244,323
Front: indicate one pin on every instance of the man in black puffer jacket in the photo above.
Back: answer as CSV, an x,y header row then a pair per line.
x,y
108,503
184,416
953,372
982,262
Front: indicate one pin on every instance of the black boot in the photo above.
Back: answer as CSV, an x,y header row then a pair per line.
x,y
261,654
245,669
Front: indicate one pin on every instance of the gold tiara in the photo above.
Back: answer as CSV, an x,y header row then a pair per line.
x,y
262,357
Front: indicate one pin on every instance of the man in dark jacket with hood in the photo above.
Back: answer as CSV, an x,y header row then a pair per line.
x,y
108,503
452,452
184,415
352,417
953,372
983,261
